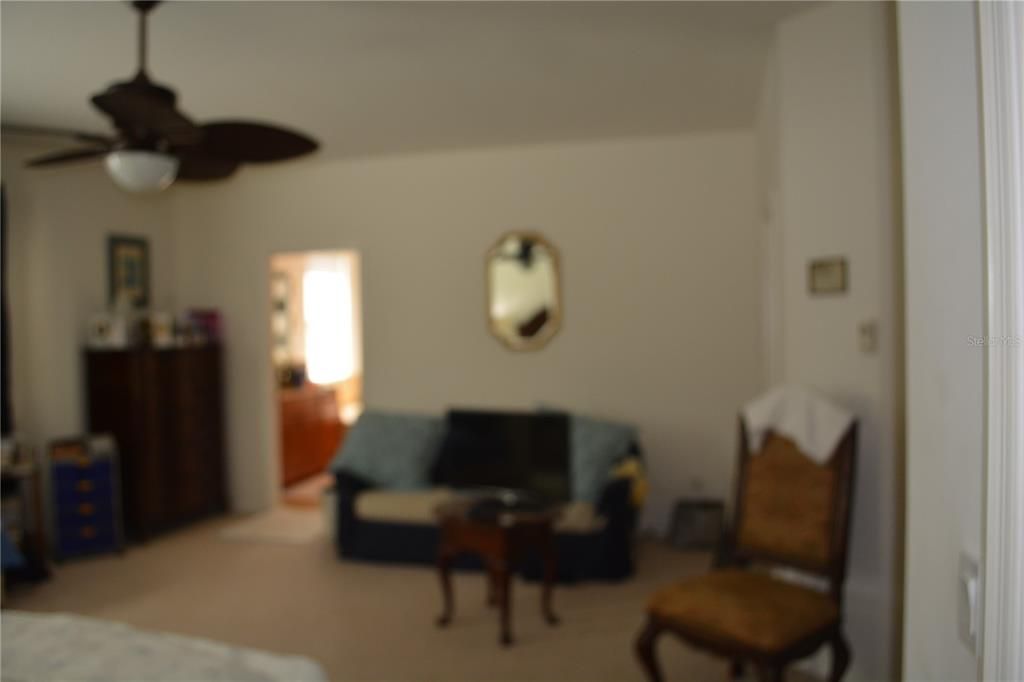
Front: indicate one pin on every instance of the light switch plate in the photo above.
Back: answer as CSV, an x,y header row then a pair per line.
x,y
969,602
867,337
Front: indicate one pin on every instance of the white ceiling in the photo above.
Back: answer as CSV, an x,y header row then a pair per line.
x,y
372,78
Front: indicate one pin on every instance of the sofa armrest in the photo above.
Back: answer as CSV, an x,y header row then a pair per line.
x,y
348,486
347,483
616,499
617,545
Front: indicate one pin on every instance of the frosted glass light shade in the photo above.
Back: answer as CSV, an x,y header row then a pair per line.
x,y
138,170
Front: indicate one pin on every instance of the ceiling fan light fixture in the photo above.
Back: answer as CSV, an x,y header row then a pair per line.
x,y
146,118
140,170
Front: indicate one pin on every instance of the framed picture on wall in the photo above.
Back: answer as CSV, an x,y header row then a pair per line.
x,y
828,276
128,270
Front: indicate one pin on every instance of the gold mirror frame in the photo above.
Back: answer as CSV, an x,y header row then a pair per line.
x,y
554,322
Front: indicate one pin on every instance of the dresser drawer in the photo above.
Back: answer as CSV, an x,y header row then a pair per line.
x,y
83,490
85,511
68,473
75,485
87,537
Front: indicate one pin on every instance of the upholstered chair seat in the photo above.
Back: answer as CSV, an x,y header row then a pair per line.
x,y
750,609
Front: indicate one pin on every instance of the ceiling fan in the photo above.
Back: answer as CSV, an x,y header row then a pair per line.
x,y
155,143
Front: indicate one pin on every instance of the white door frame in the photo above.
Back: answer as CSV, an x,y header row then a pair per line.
x,y
1001,43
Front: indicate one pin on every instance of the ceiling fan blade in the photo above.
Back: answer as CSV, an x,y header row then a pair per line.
x,y
195,165
67,156
140,113
77,135
254,142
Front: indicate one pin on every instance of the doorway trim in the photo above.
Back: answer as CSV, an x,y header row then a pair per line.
x,y
1001,45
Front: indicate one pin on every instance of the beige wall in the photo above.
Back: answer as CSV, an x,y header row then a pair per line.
x,y
945,308
59,221
828,137
660,275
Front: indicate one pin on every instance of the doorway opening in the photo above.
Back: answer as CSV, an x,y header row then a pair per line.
x,y
317,356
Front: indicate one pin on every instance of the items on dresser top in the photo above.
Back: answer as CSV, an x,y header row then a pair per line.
x,y
125,327
86,496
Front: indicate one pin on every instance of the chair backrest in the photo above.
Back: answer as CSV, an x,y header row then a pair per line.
x,y
793,511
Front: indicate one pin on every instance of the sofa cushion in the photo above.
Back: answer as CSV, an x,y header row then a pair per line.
x,y
393,506
579,517
419,506
391,450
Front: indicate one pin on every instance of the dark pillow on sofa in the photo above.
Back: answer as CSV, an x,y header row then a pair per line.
x,y
494,448
454,446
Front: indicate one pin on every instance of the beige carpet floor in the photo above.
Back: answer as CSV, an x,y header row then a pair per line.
x,y
307,493
364,621
282,524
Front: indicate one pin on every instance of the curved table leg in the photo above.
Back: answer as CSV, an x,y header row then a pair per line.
x,y
503,585
644,647
550,575
444,568
492,587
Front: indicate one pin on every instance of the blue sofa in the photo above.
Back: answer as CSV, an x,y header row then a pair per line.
x,y
385,516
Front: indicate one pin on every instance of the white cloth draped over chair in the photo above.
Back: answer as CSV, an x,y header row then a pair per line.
x,y
810,420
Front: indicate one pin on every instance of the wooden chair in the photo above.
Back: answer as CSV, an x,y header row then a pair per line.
x,y
790,511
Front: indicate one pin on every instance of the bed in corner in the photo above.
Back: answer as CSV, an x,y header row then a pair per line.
x,y
63,646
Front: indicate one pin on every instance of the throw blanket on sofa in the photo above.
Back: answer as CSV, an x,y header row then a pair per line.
x,y
67,647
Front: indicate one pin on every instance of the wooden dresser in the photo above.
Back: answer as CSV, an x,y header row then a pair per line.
x,y
311,430
165,409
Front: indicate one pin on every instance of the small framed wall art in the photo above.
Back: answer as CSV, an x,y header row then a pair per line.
x,y
828,276
128,271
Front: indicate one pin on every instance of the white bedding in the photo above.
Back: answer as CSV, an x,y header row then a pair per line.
x,y
45,647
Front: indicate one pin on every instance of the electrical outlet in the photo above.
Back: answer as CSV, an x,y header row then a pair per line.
x,y
969,602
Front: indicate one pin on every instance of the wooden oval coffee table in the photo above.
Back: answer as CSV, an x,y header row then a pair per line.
x,y
500,544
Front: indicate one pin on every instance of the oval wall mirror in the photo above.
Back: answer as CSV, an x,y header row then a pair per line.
x,y
524,302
